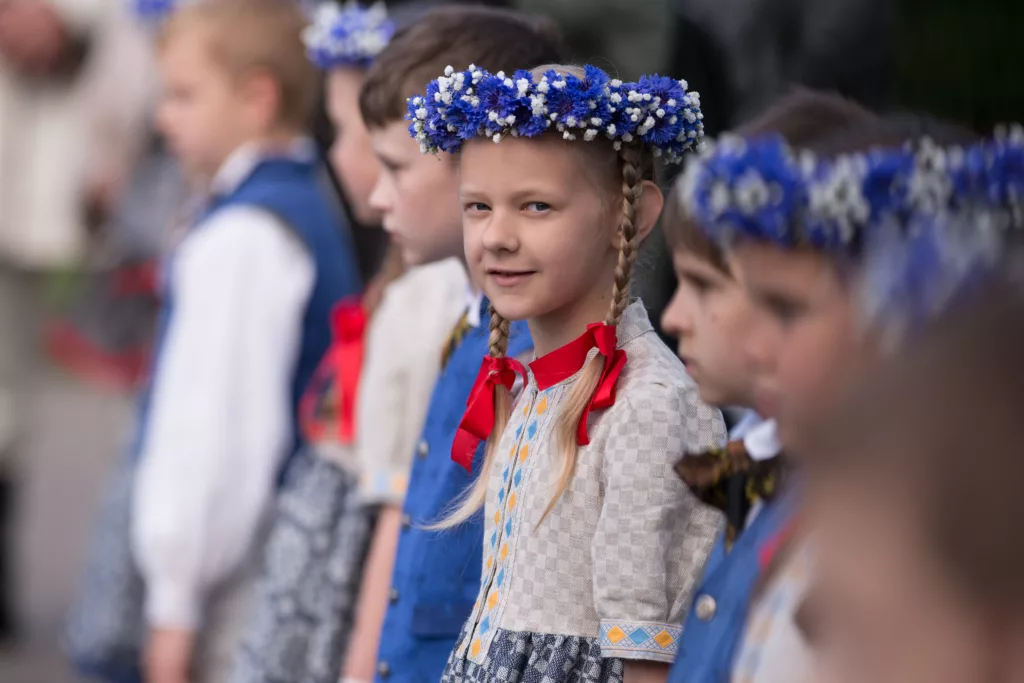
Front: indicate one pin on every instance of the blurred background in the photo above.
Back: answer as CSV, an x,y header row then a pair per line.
x,y
87,202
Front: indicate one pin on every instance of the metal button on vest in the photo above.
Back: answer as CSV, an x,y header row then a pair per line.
x,y
406,522
422,449
706,608
383,669
393,595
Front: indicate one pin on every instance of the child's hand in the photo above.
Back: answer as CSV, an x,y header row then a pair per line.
x,y
169,656
644,672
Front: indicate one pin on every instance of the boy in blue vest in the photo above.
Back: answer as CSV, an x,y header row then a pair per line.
x,y
712,316
419,585
249,289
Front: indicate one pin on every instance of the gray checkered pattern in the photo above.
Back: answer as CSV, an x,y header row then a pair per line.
x,y
305,606
533,658
627,541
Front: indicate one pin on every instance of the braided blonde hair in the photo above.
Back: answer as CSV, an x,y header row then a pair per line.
x,y
635,165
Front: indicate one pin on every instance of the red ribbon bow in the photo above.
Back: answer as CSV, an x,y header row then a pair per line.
x,y
478,421
344,363
605,339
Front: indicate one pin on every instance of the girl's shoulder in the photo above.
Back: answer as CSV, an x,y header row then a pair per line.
x,y
656,392
651,366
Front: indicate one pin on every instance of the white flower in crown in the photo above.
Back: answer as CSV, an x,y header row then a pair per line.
x,y
720,198
348,35
838,198
930,187
752,193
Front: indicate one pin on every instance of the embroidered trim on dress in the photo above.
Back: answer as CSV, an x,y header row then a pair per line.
x,y
640,640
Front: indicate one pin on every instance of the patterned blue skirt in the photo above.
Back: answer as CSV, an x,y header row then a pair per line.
x,y
516,657
305,603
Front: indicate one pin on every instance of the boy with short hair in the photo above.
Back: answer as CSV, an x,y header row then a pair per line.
x,y
421,584
713,316
249,292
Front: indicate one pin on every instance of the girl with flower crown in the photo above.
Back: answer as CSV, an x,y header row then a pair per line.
x,y
592,547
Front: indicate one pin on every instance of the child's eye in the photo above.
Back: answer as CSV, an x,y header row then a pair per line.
x,y
697,283
538,207
785,311
475,207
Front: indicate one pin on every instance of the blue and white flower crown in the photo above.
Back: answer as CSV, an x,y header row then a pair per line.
x,y
924,222
761,188
348,36
461,105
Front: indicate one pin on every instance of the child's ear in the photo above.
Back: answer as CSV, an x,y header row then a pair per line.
x,y
647,213
264,92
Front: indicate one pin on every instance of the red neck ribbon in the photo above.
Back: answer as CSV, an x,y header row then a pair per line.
x,y
343,363
563,363
478,421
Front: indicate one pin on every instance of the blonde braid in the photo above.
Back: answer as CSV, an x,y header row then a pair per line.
x,y
632,190
474,498
498,343
581,393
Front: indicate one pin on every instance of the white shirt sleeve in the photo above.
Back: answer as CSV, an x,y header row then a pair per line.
x,y
385,381
403,358
220,418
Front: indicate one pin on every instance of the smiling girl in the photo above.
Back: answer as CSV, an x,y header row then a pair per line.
x,y
592,547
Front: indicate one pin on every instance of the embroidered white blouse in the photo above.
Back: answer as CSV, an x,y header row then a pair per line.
x,y
619,556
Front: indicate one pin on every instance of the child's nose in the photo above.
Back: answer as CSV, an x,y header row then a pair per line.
x,y
677,320
501,233
379,199
759,349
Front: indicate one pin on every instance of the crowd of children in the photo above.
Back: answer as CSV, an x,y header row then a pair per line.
x,y
484,465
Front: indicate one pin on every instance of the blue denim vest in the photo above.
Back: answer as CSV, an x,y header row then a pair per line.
x,y
715,625
437,573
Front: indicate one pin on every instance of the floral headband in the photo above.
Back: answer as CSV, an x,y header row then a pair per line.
x,y
925,221
763,189
461,105
347,36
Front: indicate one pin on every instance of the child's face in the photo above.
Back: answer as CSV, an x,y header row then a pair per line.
x,y
540,235
204,112
417,196
883,611
352,154
711,316
804,343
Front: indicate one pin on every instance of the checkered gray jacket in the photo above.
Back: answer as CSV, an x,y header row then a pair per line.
x,y
617,560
